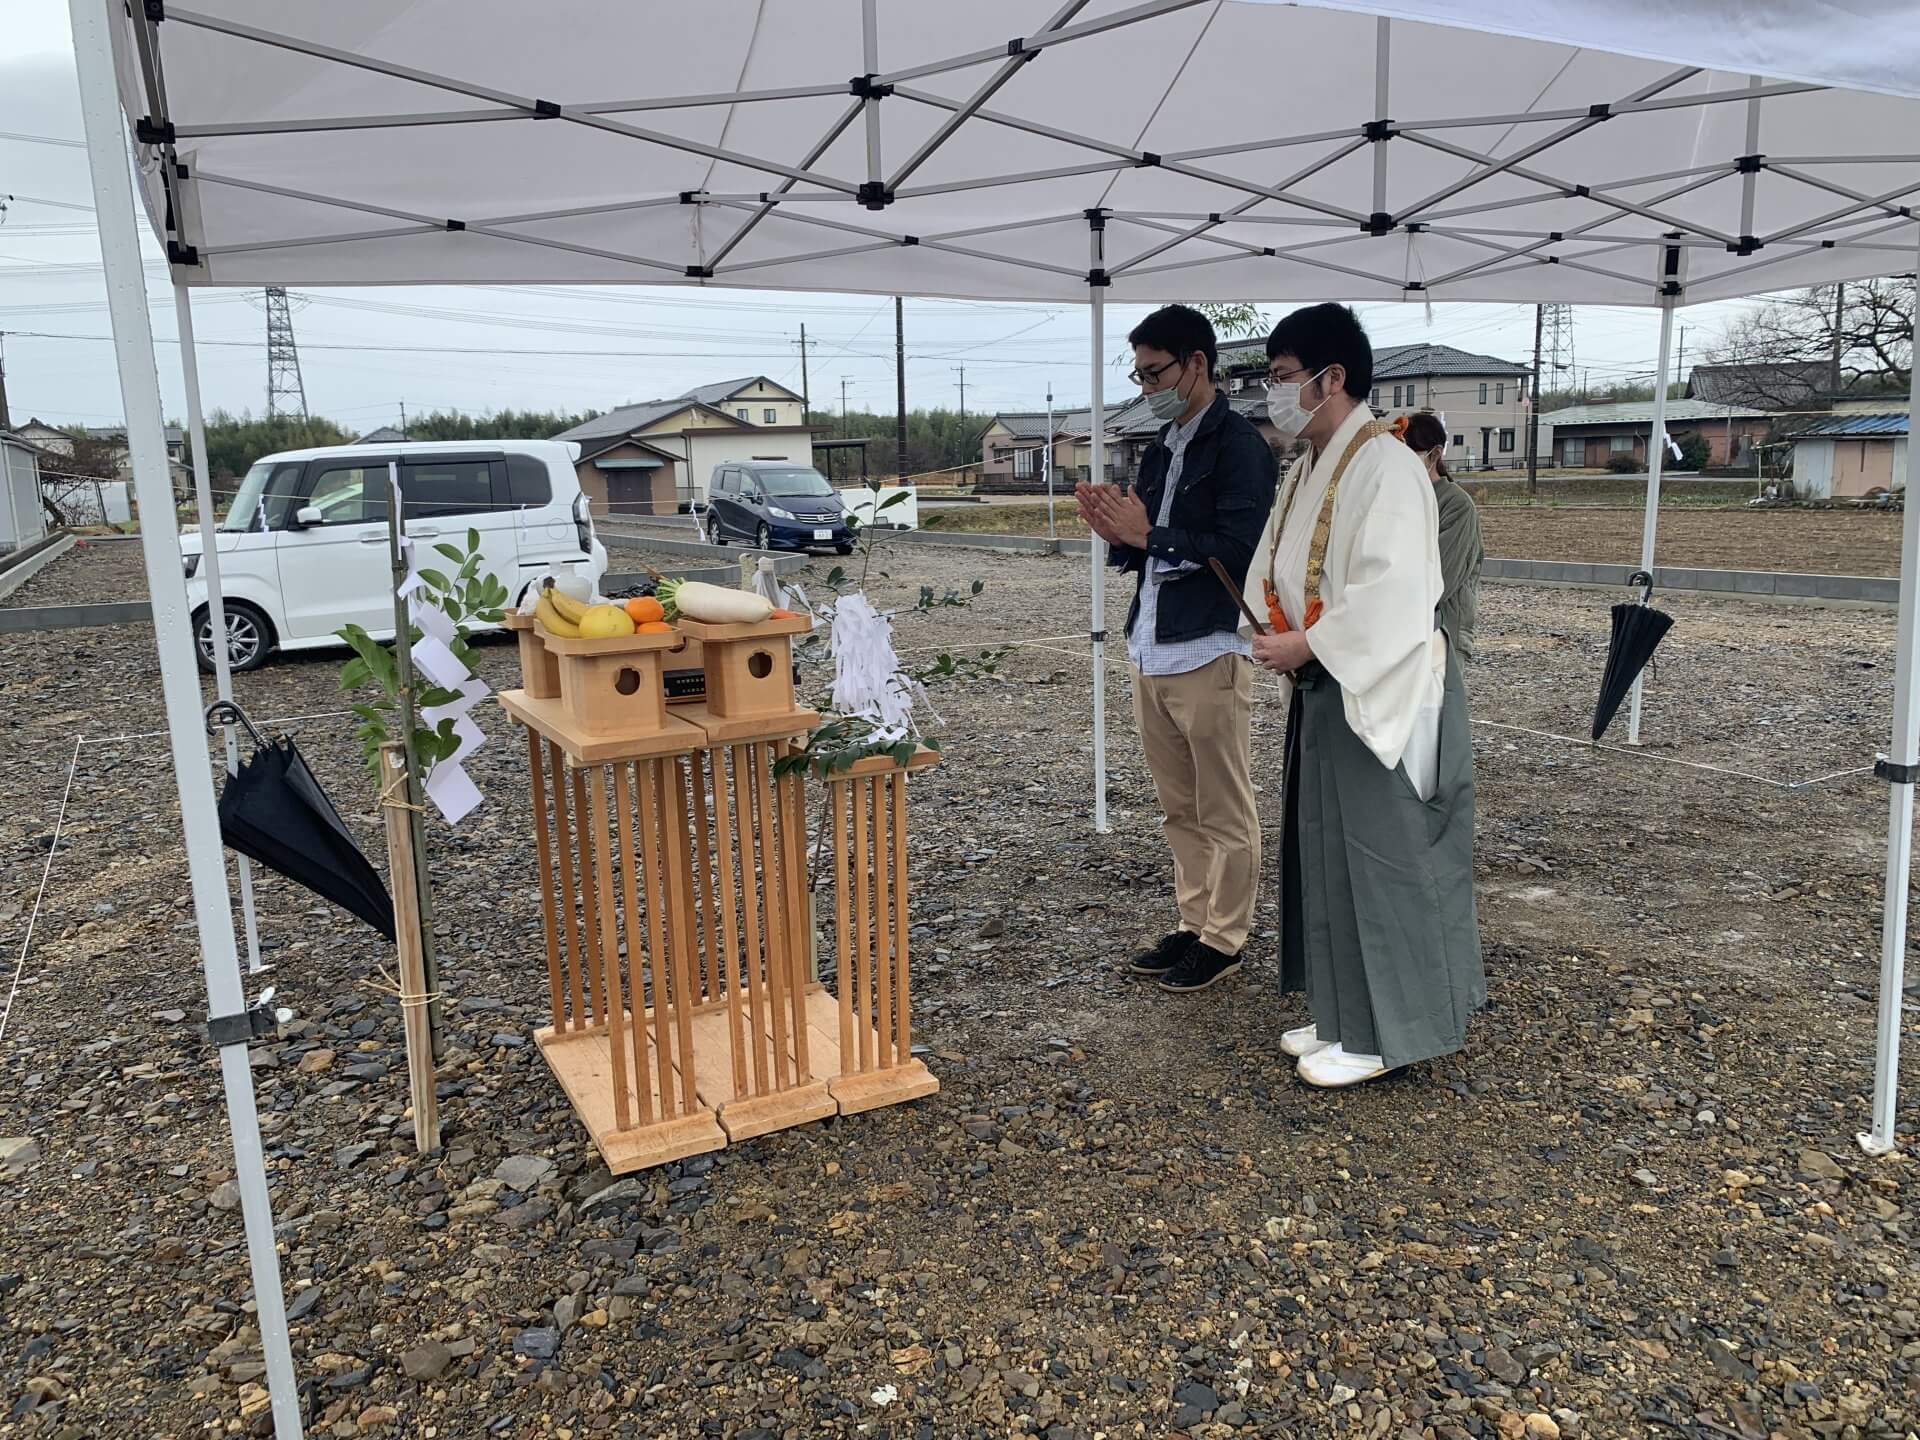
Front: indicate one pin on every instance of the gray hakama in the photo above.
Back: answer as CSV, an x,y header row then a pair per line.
x,y
1377,913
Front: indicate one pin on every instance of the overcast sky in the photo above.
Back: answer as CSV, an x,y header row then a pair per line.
x,y
364,352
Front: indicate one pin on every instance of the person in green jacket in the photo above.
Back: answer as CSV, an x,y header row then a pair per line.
x,y
1460,549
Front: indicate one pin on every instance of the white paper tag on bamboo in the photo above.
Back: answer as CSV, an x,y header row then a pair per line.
x,y
431,619
472,691
432,658
471,738
452,791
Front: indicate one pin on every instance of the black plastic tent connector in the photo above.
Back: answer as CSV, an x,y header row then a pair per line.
x,y
1378,223
1602,111
1096,218
148,133
456,224
1745,245
867,87
1749,164
156,10
874,194
699,272
909,239
1098,279
547,109
1375,131
1147,161
178,254
1414,285
1885,769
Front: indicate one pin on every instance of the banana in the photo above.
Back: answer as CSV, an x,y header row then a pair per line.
x,y
565,605
551,620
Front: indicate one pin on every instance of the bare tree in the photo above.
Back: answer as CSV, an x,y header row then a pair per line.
x,y
1800,346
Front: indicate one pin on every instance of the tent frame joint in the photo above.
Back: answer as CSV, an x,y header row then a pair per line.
x,y
868,87
1096,218
1749,164
546,110
1379,223
187,256
874,194
1895,774
256,1022
1098,278
149,131
1148,161
699,272
1375,132
1746,245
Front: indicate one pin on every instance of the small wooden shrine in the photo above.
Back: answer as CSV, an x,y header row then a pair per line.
x,y
676,894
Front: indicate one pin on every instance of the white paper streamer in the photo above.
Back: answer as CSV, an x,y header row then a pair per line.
x,y
866,673
452,790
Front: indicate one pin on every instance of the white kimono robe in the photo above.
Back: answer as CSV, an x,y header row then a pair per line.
x,y
1378,589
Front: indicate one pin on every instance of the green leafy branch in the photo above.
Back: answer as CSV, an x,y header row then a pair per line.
x,y
467,597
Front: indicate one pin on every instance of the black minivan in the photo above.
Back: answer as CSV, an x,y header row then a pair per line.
x,y
776,505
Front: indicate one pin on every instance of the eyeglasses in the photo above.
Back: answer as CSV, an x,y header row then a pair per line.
x,y
1297,377
1152,376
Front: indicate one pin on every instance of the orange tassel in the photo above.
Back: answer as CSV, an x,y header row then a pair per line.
x,y
1277,618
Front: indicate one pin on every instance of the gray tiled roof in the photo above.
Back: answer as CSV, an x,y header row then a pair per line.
x,y
624,421
1394,362
1640,412
727,389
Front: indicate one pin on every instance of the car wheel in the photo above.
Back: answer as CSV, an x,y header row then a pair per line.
x,y
843,549
249,637
763,537
715,534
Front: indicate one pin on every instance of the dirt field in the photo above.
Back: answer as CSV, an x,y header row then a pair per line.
x,y
1633,1207
1819,542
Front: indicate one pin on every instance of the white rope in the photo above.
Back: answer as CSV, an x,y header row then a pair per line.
x,y
153,734
20,965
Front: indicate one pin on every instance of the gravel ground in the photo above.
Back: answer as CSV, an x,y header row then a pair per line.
x,y
1632,1207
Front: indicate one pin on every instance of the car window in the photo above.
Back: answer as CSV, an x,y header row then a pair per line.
x,y
446,487
529,483
349,495
722,482
796,483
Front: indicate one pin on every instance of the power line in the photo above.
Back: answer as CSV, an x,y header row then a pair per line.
x,y
43,139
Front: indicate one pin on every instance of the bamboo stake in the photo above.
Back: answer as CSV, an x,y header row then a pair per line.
x,y
611,1003
841,791
723,820
563,855
656,940
629,863
903,1015
750,910
543,849
863,953
761,756
414,994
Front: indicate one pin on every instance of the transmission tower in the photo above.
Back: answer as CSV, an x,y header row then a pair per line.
x,y
286,394
1557,357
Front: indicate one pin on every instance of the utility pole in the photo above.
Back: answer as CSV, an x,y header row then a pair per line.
x,y
1833,357
843,406
806,393
5,423
963,395
1533,412
900,388
1680,370
403,419
1052,533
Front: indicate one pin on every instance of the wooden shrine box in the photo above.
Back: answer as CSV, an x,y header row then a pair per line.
x,y
749,675
539,670
611,688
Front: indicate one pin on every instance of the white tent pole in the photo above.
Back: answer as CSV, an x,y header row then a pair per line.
x,y
179,676
1097,293
210,568
1898,768
1656,455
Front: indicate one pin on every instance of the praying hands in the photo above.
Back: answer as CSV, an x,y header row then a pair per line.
x,y
1114,514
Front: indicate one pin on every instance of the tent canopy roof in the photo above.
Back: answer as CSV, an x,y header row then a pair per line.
x,y
1232,150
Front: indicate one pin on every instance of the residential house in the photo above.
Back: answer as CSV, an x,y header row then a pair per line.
x,y
1589,437
655,458
1795,386
385,435
1013,446
57,443
1483,398
1850,456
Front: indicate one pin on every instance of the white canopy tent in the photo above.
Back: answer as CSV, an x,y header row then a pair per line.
x,y
1053,150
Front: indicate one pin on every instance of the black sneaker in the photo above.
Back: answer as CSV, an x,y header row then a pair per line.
x,y
1165,957
1202,966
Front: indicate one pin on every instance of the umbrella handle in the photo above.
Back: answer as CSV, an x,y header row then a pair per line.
x,y
1644,579
226,712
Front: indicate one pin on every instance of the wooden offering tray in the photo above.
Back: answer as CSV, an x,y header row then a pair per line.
x,y
749,667
612,687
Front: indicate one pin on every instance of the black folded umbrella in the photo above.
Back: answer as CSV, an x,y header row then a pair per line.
x,y
1637,629
274,811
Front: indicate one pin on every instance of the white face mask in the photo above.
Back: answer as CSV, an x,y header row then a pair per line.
x,y
1284,411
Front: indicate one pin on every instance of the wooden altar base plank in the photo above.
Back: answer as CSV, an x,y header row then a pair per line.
x,y
582,1061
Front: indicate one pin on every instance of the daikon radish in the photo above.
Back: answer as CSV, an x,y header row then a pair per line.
x,y
713,604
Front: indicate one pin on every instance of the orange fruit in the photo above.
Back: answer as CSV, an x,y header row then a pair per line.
x,y
644,609
653,627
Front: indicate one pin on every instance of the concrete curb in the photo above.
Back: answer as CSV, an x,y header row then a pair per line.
x,y
17,619
783,563
1875,590
22,566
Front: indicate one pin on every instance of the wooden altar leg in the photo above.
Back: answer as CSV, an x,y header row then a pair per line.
x,y
882,930
843,920
543,852
575,1018
636,1009
611,1003
903,1024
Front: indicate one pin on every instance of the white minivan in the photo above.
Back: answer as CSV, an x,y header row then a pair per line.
x,y
304,546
